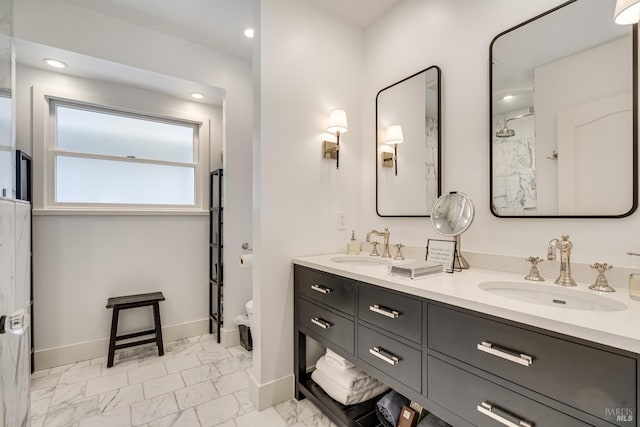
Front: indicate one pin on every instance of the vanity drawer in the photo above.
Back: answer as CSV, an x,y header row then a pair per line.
x,y
333,291
586,378
397,314
463,393
391,357
327,324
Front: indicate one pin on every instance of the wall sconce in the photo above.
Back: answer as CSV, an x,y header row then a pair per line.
x,y
337,125
387,158
627,12
394,137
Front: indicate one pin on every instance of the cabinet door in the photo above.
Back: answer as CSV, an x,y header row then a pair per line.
x,y
486,404
589,379
397,314
391,357
333,291
326,324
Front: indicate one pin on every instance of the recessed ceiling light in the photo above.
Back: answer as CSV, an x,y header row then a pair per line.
x,y
197,95
54,63
507,98
249,33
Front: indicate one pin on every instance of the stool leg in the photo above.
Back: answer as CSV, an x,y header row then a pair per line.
x,y
112,340
156,321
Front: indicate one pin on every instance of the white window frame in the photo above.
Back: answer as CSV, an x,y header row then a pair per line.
x,y
45,153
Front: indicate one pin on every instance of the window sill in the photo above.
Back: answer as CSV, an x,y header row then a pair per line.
x,y
119,212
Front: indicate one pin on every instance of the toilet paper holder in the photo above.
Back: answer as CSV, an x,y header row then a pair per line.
x,y
246,246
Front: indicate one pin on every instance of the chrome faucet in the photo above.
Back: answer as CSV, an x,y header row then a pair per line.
x,y
564,246
385,234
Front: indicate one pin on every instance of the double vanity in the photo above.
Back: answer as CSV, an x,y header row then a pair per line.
x,y
476,348
482,347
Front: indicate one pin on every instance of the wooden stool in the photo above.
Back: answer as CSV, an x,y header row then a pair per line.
x,y
133,301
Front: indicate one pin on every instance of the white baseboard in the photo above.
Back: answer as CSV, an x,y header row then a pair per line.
x,y
269,394
64,355
229,337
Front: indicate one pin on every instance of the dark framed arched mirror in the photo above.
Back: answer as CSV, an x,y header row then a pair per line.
x,y
408,145
563,115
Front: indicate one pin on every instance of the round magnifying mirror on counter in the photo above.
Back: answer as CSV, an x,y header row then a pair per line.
x,y
451,215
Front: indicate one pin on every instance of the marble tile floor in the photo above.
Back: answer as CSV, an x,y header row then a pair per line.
x,y
197,383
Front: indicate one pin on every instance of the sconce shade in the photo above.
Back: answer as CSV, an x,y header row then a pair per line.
x,y
394,135
338,122
627,12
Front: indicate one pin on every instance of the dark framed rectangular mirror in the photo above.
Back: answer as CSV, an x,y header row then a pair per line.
x,y
408,145
563,115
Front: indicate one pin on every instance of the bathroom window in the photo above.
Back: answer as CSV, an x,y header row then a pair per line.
x,y
106,158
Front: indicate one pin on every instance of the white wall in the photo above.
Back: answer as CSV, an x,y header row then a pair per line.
x,y
310,64
455,35
68,26
558,88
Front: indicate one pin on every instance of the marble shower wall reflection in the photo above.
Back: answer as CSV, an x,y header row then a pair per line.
x,y
431,161
514,165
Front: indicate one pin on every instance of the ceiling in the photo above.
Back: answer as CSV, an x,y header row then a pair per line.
x,y
360,13
79,65
219,24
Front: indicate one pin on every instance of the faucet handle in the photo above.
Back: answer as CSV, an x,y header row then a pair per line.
x,y
399,255
534,273
601,284
374,251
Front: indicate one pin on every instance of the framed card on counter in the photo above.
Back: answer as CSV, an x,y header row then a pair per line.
x,y
442,251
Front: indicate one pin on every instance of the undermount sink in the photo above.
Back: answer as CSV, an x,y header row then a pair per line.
x,y
559,298
360,261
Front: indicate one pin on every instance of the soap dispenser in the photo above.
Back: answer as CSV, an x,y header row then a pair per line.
x,y
634,282
353,246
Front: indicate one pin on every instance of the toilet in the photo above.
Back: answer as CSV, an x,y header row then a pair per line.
x,y
249,307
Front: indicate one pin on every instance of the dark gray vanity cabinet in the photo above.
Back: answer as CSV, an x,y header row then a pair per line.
x,y
395,359
468,368
329,290
326,324
325,310
583,377
396,314
480,401
389,337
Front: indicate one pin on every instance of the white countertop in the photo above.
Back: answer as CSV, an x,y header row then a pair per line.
x,y
620,329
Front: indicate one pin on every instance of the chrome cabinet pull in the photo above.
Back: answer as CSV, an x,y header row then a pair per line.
x,y
320,322
321,289
520,358
384,311
384,355
490,410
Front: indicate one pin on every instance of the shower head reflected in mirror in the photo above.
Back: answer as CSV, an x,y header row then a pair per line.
x,y
505,131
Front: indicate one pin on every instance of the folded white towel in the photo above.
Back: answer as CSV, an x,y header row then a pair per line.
x,y
353,379
338,360
344,396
